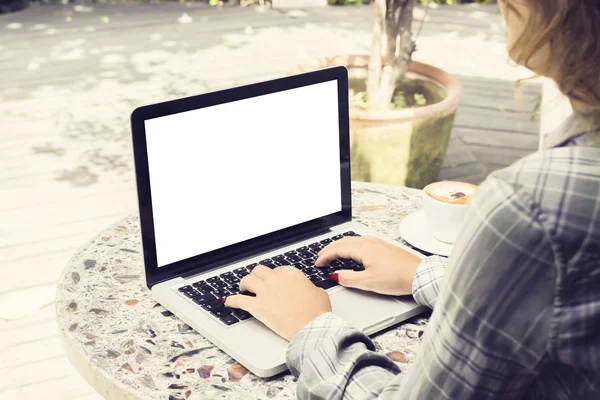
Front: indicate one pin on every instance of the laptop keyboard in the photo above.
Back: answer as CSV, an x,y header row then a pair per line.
x,y
208,294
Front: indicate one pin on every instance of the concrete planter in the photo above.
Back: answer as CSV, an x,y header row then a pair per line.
x,y
401,147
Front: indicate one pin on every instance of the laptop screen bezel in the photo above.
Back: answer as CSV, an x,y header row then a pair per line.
x,y
199,263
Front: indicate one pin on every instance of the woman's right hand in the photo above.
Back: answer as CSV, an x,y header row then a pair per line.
x,y
388,269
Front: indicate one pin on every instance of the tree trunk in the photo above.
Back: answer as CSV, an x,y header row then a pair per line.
x,y
400,46
374,75
406,44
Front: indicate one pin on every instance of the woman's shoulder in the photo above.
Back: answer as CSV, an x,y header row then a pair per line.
x,y
559,185
553,170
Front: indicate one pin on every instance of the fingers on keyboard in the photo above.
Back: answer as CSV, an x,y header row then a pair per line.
x,y
208,293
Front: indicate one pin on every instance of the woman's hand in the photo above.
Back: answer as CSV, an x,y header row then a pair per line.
x,y
286,301
388,268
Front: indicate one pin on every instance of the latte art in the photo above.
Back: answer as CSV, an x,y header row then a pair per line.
x,y
451,192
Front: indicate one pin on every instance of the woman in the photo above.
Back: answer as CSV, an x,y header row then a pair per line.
x,y
518,313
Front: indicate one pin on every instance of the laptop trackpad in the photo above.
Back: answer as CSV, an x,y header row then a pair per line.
x,y
364,309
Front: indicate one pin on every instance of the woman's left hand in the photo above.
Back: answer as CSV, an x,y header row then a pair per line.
x,y
286,301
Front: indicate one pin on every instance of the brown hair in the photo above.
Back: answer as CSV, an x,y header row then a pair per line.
x,y
571,28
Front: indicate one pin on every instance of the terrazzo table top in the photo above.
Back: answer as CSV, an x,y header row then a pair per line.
x,y
128,347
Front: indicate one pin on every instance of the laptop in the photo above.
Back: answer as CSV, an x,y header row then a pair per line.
x,y
258,174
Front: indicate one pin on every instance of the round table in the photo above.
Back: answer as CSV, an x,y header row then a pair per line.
x,y
128,347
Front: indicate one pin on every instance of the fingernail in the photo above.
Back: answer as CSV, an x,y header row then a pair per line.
x,y
225,299
335,277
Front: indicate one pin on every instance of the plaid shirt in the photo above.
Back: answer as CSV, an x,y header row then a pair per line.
x,y
518,313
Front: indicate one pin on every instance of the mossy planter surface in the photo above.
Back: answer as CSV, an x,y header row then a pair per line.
x,y
399,147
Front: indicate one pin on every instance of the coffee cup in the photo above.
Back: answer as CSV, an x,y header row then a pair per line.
x,y
445,206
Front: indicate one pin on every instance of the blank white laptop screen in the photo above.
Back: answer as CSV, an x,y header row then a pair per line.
x,y
228,173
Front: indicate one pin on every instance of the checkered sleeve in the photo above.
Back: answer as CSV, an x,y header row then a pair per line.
x,y
428,280
335,360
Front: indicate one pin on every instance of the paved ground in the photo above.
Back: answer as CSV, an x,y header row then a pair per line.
x,y
70,76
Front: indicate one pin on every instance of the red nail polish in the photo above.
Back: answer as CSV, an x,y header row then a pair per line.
x,y
335,277
225,299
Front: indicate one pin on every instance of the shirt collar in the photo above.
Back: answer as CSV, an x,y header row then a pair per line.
x,y
575,126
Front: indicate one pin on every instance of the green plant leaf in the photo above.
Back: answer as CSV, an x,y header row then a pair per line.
x,y
358,100
420,99
398,101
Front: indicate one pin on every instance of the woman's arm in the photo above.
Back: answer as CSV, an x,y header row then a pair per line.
x,y
488,333
428,280
331,332
334,360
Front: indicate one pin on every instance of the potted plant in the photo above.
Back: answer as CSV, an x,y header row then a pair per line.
x,y
401,111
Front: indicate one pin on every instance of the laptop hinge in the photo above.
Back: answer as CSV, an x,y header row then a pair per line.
x,y
251,253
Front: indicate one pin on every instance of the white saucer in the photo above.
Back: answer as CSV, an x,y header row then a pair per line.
x,y
414,230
